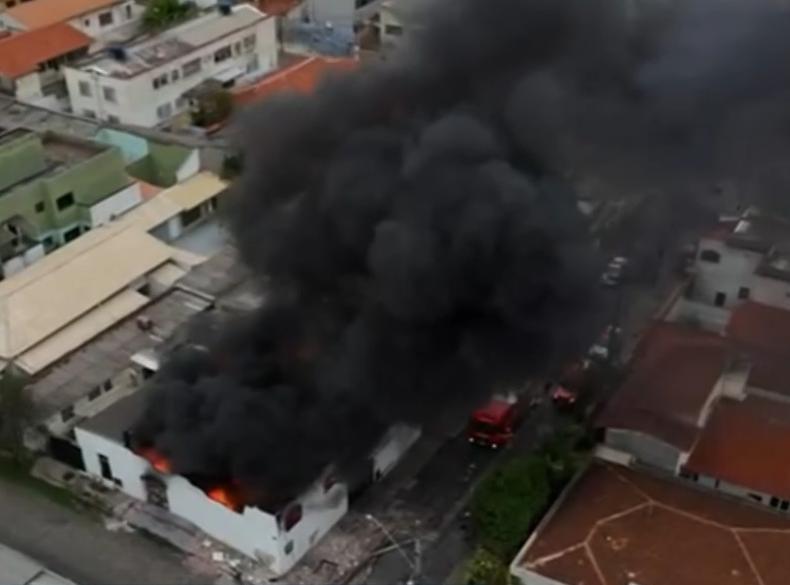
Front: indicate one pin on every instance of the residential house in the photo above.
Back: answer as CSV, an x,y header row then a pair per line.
x,y
115,298
745,258
30,64
712,408
619,526
103,20
144,83
277,534
53,188
346,16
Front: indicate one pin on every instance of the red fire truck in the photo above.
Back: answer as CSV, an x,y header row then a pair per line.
x,y
494,424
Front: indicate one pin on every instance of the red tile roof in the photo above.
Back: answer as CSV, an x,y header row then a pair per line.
x,y
673,373
276,7
21,53
301,77
617,527
41,13
745,443
763,334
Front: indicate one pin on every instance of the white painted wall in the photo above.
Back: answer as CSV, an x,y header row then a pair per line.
x,y
137,101
399,439
190,167
707,316
645,448
116,204
19,263
122,24
28,87
253,532
734,270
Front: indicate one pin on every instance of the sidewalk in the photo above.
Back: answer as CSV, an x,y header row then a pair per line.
x,y
80,548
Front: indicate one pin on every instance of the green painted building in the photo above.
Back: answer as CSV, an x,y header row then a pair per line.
x,y
53,188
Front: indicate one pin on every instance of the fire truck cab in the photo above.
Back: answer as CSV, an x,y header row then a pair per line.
x,y
494,424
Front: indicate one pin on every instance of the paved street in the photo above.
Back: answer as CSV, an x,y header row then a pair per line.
x,y
80,548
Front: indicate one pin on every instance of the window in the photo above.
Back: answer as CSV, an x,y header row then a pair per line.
x,y
107,385
720,299
164,111
237,48
49,242
756,497
113,119
292,516
774,502
71,234
95,393
175,75
106,470
222,54
190,67
710,256
289,548
105,19
109,94
87,22
128,12
67,413
393,29
85,89
743,293
40,207
249,42
65,201
160,81
148,373
784,505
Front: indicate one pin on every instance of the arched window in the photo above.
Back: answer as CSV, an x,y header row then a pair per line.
x,y
710,256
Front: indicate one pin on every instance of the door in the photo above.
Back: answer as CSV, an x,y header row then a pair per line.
x,y
721,298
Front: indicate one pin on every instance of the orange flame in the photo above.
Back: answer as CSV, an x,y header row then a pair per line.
x,y
222,496
157,460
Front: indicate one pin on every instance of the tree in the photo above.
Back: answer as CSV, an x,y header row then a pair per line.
x,y
214,107
16,410
163,13
485,568
507,503
563,454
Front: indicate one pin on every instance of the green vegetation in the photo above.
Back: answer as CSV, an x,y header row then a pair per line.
x,y
164,13
565,453
486,568
507,503
213,108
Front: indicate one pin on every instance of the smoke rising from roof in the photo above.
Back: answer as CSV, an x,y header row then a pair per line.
x,y
415,224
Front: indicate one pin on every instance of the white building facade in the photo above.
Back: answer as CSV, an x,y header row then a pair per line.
x,y
107,21
278,540
144,84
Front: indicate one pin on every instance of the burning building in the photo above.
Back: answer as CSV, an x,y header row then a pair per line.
x,y
277,531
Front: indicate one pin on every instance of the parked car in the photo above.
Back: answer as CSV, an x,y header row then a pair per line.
x,y
609,338
565,392
615,271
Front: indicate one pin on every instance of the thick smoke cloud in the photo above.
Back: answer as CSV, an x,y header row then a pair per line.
x,y
415,226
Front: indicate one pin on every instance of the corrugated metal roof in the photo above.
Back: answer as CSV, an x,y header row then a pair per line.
x,y
69,283
82,330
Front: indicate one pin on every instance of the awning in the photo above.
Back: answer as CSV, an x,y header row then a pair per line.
x,y
229,74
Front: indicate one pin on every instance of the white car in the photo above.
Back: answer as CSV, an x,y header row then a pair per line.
x,y
615,271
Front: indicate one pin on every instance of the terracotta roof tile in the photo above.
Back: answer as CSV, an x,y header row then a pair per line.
x,y
763,334
40,13
745,443
301,77
673,374
674,535
21,53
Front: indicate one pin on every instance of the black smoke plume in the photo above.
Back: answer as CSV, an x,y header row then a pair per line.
x,y
415,226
